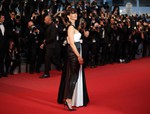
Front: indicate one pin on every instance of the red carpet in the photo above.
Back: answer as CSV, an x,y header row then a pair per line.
x,y
113,89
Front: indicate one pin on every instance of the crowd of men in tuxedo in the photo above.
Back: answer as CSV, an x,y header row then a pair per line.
x,y
107,36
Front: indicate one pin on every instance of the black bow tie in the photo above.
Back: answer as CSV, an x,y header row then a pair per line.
x,y
1,23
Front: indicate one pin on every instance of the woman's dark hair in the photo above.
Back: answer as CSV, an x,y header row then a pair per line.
x,y
70,11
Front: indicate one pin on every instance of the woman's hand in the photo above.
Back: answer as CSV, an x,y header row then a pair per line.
x,y
80,59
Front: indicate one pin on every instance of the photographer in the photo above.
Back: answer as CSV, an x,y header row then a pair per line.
x,y
35,17
34,43
18,31
58,54
147,39
94,41
120,54
12,58
61,24
97,38
11,26
136,37
140,40
84,30
104,41
112,41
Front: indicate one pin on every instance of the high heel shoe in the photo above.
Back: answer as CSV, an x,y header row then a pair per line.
x,y
69,108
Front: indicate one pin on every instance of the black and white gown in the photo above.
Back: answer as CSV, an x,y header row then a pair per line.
x,y
72,68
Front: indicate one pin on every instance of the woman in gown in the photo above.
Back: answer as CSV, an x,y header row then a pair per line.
x,y
72,89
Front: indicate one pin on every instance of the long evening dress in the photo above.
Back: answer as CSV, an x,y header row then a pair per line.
x,y
73,83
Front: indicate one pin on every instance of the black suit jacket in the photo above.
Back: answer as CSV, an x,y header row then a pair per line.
x,y
50,36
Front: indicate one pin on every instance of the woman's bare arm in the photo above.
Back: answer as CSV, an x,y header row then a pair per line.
x,y
71,42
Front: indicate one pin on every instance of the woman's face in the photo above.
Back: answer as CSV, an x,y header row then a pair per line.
x,y
73,16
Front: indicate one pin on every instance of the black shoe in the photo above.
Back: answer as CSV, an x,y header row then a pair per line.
x,y
37,71
69,108
58,69
31,72
4,74
45,76
11,73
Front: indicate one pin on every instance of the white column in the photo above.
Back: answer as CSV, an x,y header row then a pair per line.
x,y
137,5
104,1
91,1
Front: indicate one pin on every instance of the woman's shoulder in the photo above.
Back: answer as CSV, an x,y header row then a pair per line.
x,y
70,26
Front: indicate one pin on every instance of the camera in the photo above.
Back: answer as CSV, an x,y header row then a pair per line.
x,y
64,43
17,17
82,24
96,27
104,22
36,13
135,28
115,26
33,29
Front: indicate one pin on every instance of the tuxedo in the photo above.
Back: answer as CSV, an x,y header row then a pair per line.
x,y
11,29
2,36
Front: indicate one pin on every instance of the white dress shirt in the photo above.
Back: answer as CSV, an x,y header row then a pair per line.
x,y
2,28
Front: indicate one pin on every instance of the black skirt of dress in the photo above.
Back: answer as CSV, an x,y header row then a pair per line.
x,y
71,69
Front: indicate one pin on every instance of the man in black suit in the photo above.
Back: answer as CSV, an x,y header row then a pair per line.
x,y
3,45
49,42
11,23
35,53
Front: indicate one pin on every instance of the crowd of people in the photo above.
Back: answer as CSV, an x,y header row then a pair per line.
x,y
107,36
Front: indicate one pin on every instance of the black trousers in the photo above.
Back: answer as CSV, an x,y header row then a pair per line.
x,y
11,67
2,58
35,60
49,59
